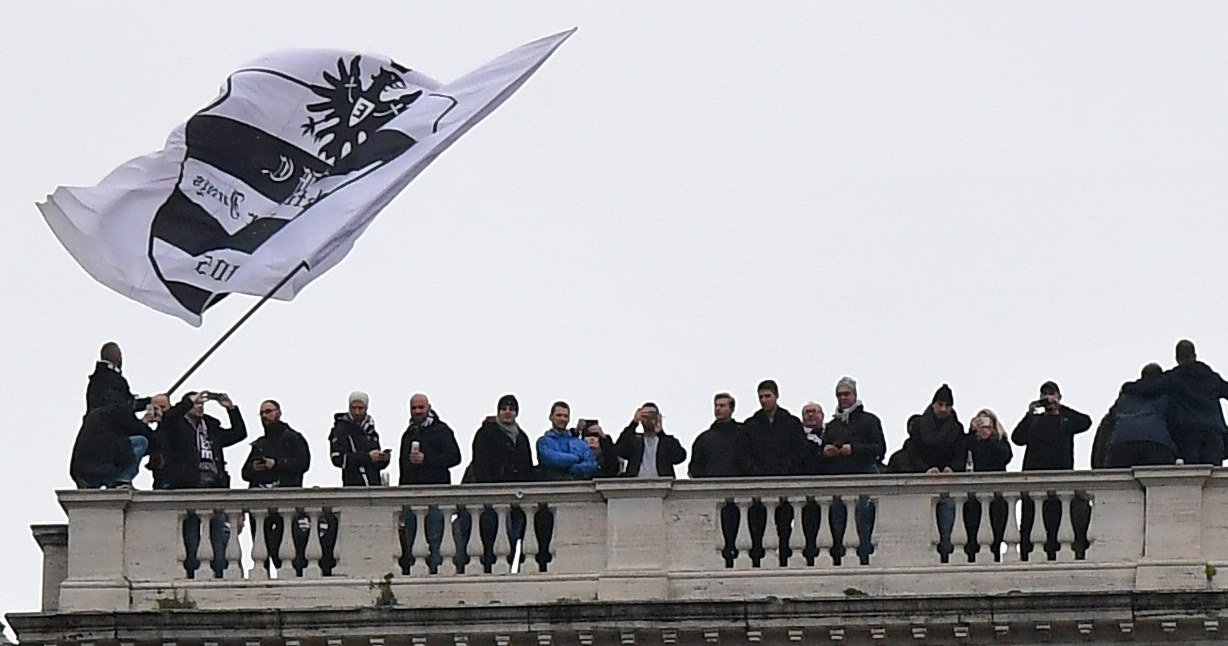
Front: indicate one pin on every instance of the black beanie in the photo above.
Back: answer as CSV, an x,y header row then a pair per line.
x,y
509,400
1050,386
943,394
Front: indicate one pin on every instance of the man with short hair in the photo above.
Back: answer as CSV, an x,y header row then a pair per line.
x,y
107,384
1195,417
774,443
560,454
193,444
652,453
278,459
428,452
714,454
1047,430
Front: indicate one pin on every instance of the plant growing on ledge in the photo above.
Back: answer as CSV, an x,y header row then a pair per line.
x,y
175,602
386,597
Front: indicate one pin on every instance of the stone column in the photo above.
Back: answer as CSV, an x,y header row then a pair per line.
x,y
635,540
53,539
1172,547
97,576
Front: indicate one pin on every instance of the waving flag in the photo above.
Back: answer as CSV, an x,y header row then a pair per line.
x,y
282,172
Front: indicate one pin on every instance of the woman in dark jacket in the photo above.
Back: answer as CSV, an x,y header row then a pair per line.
x,y
988,450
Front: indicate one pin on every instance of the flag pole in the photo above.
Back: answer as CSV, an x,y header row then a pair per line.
x,y
241,321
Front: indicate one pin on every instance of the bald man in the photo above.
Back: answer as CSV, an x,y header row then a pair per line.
x,y
428,451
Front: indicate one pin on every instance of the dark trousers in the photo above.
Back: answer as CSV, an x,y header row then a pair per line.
x,y
1132,454
1198,445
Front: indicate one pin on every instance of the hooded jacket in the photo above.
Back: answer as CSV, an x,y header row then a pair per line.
x,y
440,452
715,452
290,453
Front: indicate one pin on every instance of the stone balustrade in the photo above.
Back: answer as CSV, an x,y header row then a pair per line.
x,y
625,540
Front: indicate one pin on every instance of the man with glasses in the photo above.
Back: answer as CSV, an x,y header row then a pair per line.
x,y
278,459
652,453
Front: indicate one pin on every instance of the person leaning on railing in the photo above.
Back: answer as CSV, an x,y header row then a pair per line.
x,y
988,450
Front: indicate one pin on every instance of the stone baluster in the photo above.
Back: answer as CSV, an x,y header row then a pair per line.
x,y
234,552
1010,533
771,536
419,548
204,553
984,531
1037,535
744,540
315,549
475,540
718,533
447,544
1090,500
936,535
797,540
823,540
334,521
531,547
181,554
1065,531
503,545
398,549
285,549
260,550
851,537
959,536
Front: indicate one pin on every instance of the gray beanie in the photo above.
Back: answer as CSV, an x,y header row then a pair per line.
x,y
849,382
358,396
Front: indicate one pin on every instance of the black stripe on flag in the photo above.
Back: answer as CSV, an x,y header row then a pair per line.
x,y
268,164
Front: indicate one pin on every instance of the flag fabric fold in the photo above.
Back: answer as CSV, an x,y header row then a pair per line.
x,y
283,171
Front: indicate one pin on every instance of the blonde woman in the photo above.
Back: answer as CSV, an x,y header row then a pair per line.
x,y
988,450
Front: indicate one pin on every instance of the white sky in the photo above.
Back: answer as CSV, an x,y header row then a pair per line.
x,y
688,197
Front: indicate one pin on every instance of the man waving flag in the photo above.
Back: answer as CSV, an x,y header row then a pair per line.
x,y
276,177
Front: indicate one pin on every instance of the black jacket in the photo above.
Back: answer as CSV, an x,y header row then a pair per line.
x,y
1050,438
715,452
773,448
932,443
989,455
496,458
630,447
1193,390
290,453
179,449
350,447
106,386
864,433
608,463
437,443
102,445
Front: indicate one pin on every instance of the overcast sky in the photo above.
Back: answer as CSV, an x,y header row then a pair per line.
x,y
688,197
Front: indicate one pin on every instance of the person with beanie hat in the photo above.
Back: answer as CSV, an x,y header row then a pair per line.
x,y
354,444
852,443
1194,416
501,453
1048,430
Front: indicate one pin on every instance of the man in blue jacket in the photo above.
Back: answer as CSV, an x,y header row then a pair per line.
x,y
561,455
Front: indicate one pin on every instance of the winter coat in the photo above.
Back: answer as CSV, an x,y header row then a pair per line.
x,y
180,450
1050,438
290,453
496,458
630,447
992,454
563,456
715,452
350,446
107,386
1193,390
932,443
773,446
608,463
864,432
440,452
102,447
1133,418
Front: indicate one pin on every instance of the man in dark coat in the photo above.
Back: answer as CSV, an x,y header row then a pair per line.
x,y
107,385
1134,432
664,450
428,451
853,443
1195,417
936,444
1048,430
278,459
502,452
193,444
714,454
773,443
104,454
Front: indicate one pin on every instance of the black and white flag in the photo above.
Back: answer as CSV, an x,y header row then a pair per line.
x,y
289,165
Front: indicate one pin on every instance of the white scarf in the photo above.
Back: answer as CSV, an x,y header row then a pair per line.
x,y
843,415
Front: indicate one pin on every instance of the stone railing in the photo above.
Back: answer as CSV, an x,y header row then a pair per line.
x,y
635,541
